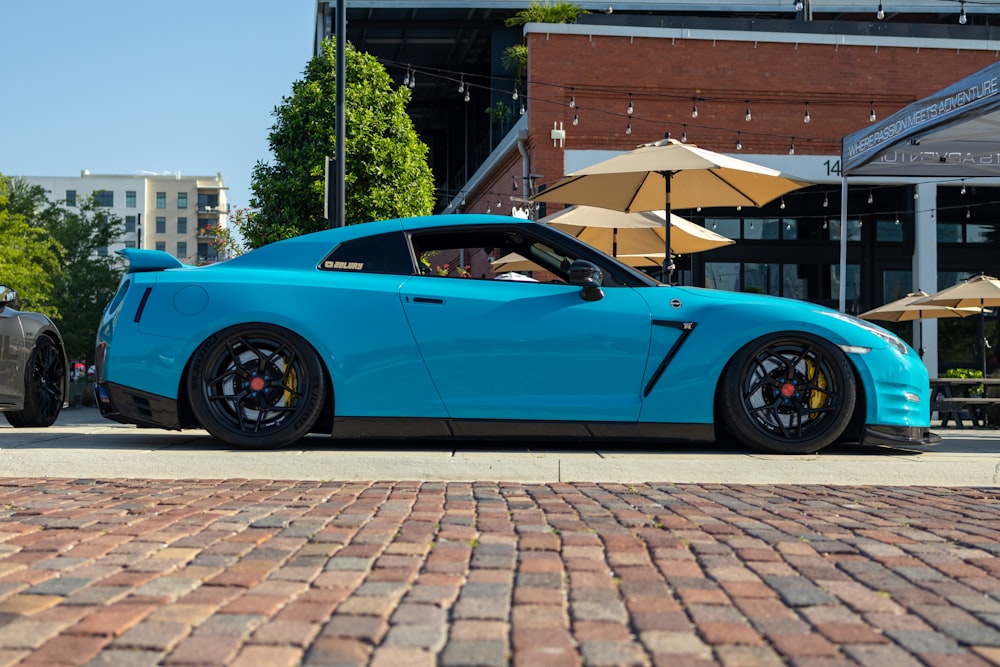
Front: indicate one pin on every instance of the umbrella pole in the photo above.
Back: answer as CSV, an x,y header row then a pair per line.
x,y
982,336
668,259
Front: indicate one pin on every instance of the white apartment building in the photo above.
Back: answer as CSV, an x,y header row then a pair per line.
x,y
162,211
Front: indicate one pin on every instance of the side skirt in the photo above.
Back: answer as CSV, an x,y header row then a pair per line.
x,y
347,428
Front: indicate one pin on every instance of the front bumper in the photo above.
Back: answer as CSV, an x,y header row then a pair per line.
x,y
899,436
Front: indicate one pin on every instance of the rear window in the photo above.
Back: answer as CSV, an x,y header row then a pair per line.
x,y
385,253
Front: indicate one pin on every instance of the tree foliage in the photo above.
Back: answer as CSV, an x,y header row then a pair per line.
x,y
29,256
89,275
546,12
386,172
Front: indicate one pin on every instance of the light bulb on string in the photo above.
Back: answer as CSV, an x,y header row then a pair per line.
x,y
782,203
916,195
488,210
628,128
962,18
413,79
963,187
739,144
521,112
880,14
461,84
870,197
467,94
406,79
871,112
968,213
791,147
805,116
694,107
514,183
514,94
747,114
630,108
826,200
572,99
576,119
799,5
684,134
826,223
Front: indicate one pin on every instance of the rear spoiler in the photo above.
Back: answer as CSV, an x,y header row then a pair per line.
x,y
149,260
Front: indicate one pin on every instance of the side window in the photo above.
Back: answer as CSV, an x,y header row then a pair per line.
x,y
385,253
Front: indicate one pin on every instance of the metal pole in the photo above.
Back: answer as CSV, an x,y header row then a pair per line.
x,y
341,128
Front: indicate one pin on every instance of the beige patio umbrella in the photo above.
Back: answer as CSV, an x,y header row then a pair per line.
x,y
624,234
907,309
515,262
979,292
644,180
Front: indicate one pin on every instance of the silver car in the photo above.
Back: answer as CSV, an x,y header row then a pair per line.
x,y
33,369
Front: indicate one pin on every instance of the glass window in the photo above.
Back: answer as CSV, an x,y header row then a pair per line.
x,y
726,226
130,199
889,231
385,253
161,200
129,244
130,223
980,233
206,201
104,198
723,276
897,284
853,282
182,225
761,278
793,282
853,229
207,252
760,230
182,200
161,245
949,232
71,198
161,225
182,249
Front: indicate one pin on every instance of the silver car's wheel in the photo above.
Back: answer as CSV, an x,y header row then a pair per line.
x,y
256,386
44,386
789,393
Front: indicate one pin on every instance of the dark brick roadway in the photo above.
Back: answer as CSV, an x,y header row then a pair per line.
x,y
242,572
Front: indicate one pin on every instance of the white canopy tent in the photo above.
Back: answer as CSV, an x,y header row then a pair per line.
x,y
952,134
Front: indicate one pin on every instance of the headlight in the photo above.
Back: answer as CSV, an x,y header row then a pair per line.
x,y
890,338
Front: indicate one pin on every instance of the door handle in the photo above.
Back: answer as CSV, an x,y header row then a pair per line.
x,y
425,299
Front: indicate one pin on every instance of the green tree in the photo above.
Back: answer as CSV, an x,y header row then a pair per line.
x,y
29,256
386,172
89,275
546,12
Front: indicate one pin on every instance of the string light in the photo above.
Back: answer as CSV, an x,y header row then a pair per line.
x,y
968,213
628,128
782,203
514,94
880,14
871,111
799,5
962,18
406,79
572,99
514,183
467,93
791,147
630,108
413,79
748,116
963,186
684,134
739,144
576,118
870,197
461,84
826,200
805,116
694,107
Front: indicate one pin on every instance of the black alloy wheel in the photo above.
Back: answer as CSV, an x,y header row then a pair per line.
x,y
44,386
788,393
256,386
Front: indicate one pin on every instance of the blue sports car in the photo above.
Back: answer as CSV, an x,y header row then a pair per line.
x,y
400,328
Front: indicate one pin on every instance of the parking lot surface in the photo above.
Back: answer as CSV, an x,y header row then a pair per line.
x,y
263,569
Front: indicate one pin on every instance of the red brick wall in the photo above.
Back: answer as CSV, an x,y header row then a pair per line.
x,y
663,75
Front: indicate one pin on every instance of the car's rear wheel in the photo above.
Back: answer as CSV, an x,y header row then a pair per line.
x,y
789,393
44,386
256,386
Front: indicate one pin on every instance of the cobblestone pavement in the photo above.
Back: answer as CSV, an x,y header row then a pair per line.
x,y
242,572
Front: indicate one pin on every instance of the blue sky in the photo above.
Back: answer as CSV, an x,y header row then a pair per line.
x,y
86,80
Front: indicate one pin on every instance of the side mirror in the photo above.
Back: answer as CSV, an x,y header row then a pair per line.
x,y
8,296
589,277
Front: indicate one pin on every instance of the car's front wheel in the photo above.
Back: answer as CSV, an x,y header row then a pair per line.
x,y
256,386
789,393
44,386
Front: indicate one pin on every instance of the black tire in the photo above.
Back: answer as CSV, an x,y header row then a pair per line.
x,y
256,386
44,386
788,393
